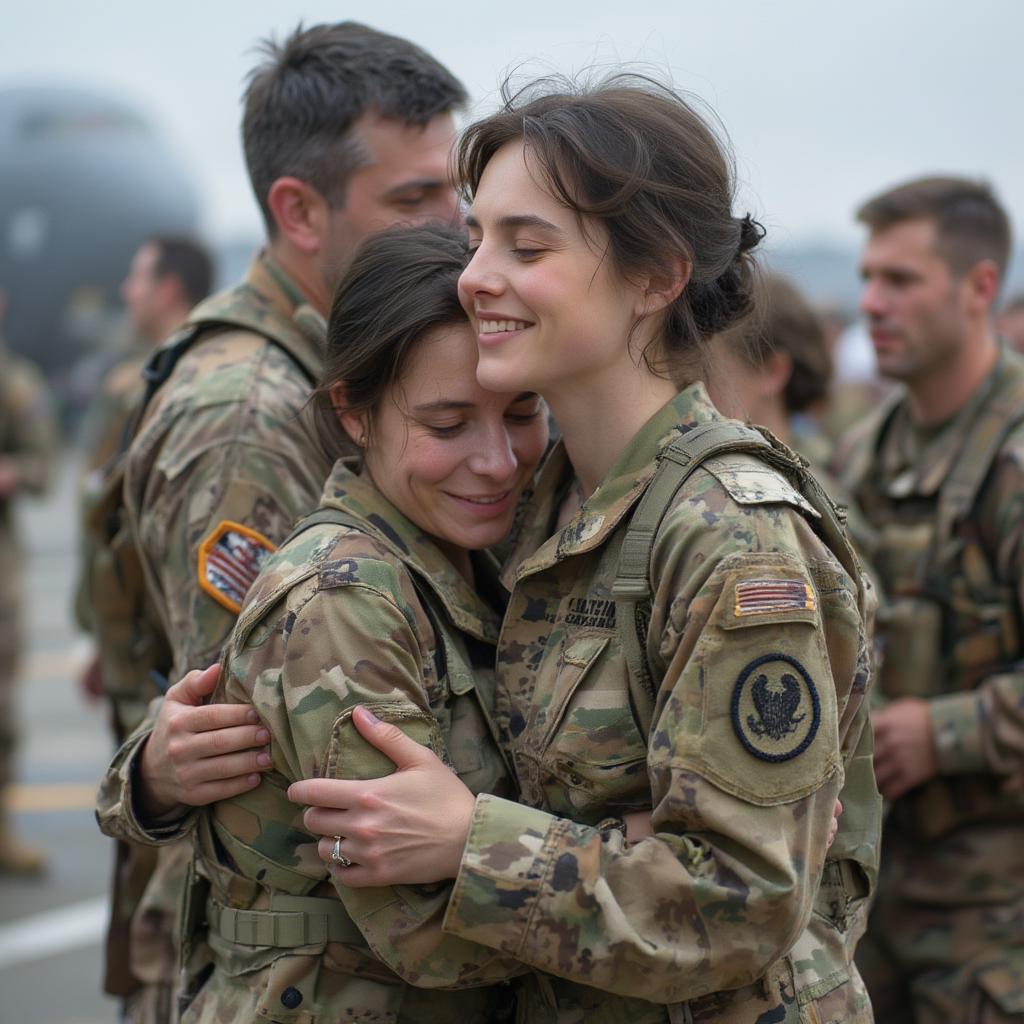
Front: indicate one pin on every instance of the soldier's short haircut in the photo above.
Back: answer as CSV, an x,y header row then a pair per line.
x,y
971,224
786,322
186,260
402,282
303,99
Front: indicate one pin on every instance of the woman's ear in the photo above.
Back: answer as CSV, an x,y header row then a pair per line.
x,y
662,289
355,424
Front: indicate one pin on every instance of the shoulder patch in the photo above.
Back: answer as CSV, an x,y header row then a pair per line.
x,y
775,708
767,596
230,558
749,481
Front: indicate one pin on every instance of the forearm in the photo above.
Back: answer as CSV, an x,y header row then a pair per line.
x,y
981,730
667,919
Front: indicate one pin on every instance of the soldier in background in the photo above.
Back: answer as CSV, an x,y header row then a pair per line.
x,y
939,474
775,368
1010,323
346,131
28,437
168,276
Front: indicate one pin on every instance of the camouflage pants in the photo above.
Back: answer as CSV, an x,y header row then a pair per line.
x,y
10,659
945,942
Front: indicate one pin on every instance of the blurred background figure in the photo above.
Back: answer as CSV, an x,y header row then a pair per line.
x,y
1010,323
28,436
774,369
166,278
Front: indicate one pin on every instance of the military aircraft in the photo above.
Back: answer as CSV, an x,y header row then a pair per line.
x,y
84,180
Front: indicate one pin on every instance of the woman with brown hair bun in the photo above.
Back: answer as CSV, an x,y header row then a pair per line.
x,y
686,628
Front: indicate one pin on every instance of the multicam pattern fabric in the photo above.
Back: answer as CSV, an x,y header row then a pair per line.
x,y
947,938
342,615
734,908
226,438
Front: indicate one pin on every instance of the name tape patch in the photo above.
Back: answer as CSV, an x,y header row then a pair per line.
x,y
763,597
230,559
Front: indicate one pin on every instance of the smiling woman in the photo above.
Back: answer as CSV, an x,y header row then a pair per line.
x,y
385,598
686,626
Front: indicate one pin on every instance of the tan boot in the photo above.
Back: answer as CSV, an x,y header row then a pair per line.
x,y
15,857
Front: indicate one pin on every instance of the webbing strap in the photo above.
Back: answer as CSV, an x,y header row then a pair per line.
x,y
632,586
1001,414
675,463
293,921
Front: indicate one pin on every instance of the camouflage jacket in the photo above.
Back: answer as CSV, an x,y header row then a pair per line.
x,y
28,433
947,510
368,613
226,443
758,639
103,429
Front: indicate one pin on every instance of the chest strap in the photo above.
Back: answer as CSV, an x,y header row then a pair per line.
x,y
292,921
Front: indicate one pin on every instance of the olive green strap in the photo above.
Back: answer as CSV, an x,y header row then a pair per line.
x,y
292,921
675,463
632,586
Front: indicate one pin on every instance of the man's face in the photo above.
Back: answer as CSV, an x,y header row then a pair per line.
x,y
915,305
406,180
141,293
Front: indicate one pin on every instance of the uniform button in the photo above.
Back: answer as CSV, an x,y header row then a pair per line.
x,y
291,997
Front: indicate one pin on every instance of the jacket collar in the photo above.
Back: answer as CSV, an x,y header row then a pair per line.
x,y
537,549
355,494
270,302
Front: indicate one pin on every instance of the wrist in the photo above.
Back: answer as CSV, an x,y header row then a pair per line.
x,y
152,805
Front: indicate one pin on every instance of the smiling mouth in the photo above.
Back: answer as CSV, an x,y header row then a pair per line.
x,y
501,326
489,500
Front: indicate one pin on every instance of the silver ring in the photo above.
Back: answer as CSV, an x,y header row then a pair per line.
x,y
337,856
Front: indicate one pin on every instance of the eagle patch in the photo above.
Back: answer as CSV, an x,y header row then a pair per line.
x,y
230,559
775,708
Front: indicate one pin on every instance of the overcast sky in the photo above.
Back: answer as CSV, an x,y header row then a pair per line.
x,y
825,102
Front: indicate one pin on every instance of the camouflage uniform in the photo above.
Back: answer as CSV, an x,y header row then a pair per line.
x,y
28,436
734,913
103,431
367,613
946,938
223,462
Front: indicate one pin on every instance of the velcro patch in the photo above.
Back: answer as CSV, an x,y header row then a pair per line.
x,y
775,708
767,596
230,559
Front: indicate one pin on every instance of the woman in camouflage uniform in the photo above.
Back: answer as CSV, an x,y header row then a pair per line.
x,y
682,628
384,597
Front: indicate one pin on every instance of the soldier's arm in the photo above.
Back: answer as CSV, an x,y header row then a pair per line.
x,y
983,730
183,755
726,885
220,496
30,457
356,645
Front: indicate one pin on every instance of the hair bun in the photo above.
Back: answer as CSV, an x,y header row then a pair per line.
x,y
751,234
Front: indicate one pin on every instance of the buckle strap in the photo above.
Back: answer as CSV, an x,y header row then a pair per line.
x,y
292,921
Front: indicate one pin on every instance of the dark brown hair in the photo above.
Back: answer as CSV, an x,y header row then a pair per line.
x,y
302,101
401,283
786,322
638,158
970,222
186,260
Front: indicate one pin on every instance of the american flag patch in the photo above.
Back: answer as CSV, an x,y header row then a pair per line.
x,y
763,597
229,562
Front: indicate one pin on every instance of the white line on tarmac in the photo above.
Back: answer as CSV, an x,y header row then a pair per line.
x,y
56,931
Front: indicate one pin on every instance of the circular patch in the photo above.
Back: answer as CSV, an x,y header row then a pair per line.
x,y
775,708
